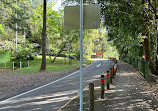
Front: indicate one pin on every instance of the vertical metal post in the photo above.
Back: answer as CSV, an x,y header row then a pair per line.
x,y
20,65
16,28
28,63
5,65
69,52
13,66
81,55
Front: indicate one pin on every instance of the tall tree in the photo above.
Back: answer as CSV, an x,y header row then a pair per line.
x,y
130,27
43,64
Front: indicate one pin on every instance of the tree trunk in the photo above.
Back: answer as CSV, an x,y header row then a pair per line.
x,y
102,54
43,64
146,32
146,45
157,50
147,49
59,52
156,39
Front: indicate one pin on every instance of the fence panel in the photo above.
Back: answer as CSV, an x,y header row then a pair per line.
x,y
140,65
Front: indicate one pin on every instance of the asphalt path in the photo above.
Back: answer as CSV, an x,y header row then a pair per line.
x,y
54,95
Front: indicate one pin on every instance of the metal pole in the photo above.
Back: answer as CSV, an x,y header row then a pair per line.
x,y
20,65
5,65
28,63
69,52
16,27
13,66
81,55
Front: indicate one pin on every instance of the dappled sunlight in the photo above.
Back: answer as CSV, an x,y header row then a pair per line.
x,y
125,74
38,101
124,98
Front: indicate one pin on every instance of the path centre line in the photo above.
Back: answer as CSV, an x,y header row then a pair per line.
x,y
43,85
98,65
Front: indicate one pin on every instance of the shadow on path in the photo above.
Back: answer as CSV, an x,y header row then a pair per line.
x,y
126,94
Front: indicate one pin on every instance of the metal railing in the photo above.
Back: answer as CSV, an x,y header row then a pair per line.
x,y
14,65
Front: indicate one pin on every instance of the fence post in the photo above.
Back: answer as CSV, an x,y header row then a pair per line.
x,y
13,66
147,74
110,75
113,72
28,63
143,68
20,65
5,65
136,64
108,80
102,86
115,68
91,97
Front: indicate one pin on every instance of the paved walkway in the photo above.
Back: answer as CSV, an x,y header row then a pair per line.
x,y
126,94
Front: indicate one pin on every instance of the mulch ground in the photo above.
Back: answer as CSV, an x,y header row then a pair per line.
x,y
14,84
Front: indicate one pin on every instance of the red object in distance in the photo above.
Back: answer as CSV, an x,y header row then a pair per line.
x,y
99,54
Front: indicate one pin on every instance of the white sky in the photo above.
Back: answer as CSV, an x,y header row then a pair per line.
x,y
57,5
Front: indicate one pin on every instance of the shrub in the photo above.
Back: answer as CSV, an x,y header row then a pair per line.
x,y
4,56
24,54
23,63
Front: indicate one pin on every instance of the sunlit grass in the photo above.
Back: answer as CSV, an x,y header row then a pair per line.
x,y
61,64
4,57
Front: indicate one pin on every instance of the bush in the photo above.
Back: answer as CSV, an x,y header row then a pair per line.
x,y
23,63
4,56
24,54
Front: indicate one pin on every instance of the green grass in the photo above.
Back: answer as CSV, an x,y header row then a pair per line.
x,y
60,64
4,57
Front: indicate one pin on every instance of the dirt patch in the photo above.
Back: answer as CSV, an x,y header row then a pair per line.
x,y
14,84
151,89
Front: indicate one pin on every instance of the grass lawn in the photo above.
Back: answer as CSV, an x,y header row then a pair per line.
x,y
60,64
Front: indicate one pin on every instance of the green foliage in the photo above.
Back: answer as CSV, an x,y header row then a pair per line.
x,y
4,56
124,21
2,31
29,17
24,54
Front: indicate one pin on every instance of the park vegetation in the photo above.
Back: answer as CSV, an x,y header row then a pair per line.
x,y
40,32
129,29
133,28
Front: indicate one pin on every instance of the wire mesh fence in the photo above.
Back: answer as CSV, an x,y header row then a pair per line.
x,y
142,66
